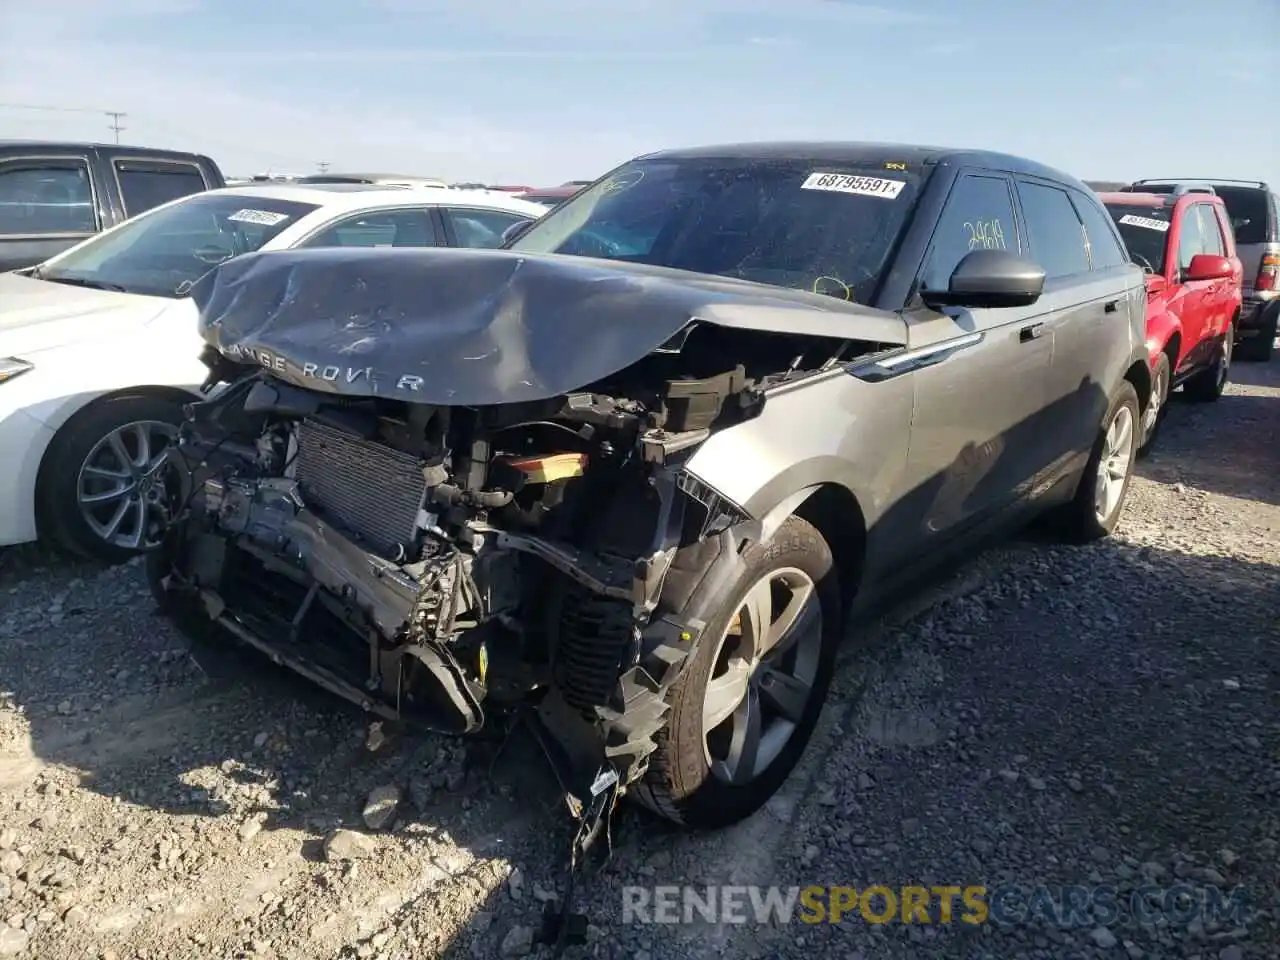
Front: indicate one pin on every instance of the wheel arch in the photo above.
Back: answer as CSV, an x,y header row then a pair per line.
x,y
1163,328
834,511
1139,375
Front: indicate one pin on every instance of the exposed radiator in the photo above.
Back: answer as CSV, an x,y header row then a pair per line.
x,y
367,489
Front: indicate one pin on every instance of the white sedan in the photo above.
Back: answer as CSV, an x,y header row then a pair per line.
x,y
99,348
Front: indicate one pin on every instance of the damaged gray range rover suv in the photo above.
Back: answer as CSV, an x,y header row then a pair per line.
x,y
623,477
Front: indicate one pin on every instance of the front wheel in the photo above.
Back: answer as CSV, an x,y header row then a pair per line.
x,y
1099,501
745,708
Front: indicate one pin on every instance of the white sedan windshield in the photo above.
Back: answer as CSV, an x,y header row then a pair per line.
x,y
163,252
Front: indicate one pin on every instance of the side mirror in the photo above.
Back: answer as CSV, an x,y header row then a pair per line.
x,y
990,279
515,231
1207,266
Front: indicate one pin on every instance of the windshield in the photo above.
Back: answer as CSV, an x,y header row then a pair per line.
x,y
800,224
1145,230
165,251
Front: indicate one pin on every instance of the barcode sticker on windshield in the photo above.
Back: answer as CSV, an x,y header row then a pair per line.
x,y
264,218
845,183
1135,221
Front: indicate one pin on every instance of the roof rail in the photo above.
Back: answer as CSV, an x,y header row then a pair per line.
x,y
1224,180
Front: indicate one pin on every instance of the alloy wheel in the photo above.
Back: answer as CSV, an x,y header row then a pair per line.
x,y
121,487
1155,405
763,675
1113,465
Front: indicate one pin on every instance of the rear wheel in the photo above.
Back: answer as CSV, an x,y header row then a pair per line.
x,y
745,708
1099,501
1153,416
1258,349
1208,385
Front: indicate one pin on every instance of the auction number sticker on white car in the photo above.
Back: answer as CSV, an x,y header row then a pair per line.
x,y
847,183
264,218
1136,221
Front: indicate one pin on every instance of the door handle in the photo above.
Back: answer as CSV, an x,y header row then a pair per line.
x,y
1111,306
1033,332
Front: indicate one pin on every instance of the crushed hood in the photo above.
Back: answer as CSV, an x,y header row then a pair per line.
x,y
40,314
479,327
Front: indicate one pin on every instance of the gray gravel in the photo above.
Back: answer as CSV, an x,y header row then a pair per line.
x,y
1104,716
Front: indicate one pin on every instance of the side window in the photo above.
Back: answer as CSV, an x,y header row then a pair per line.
x,y
978,215
1190,237
480,228
1212,231
1104,249
1054,229
39,197
386,228
144,185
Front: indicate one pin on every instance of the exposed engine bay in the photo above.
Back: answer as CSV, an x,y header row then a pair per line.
x,y
439,563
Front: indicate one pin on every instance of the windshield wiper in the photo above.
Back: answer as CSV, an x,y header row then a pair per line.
x,y
82,282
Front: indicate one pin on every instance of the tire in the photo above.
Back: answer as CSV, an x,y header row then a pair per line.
x,y
74,464
680,783
1207,385
1153,416
1079,521
1256,350
1259,348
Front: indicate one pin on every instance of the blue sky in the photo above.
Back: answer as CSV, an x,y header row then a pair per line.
x,y
542,92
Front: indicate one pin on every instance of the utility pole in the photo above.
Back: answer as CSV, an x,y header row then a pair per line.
x,y
115,116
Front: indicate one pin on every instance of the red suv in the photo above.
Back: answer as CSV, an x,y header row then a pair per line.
x,y
1184,241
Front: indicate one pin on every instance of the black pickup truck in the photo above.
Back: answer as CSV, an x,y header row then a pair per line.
x,y
53,195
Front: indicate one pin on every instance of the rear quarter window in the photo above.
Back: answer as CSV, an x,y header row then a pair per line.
x,y
1249,209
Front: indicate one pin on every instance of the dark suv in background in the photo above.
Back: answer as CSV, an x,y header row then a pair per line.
x,y
53,195
1254,209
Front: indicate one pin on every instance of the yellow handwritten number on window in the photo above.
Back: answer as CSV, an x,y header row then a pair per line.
x,y
985,235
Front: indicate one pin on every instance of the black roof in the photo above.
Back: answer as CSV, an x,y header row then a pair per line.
x,y
860,152
80,145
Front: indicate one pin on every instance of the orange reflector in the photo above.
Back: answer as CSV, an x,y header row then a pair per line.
x,y
562,466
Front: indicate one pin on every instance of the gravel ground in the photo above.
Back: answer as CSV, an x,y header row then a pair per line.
x,y
1108,715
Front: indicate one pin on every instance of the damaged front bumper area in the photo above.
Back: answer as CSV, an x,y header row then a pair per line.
x,y
449,641
477,631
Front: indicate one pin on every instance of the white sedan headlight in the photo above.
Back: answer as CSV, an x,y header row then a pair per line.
x,y
11,367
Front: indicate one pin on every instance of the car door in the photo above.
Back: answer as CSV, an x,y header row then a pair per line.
x,y
398,227
47,205
979,378
477,227
1192,302
1084,310
1218,304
